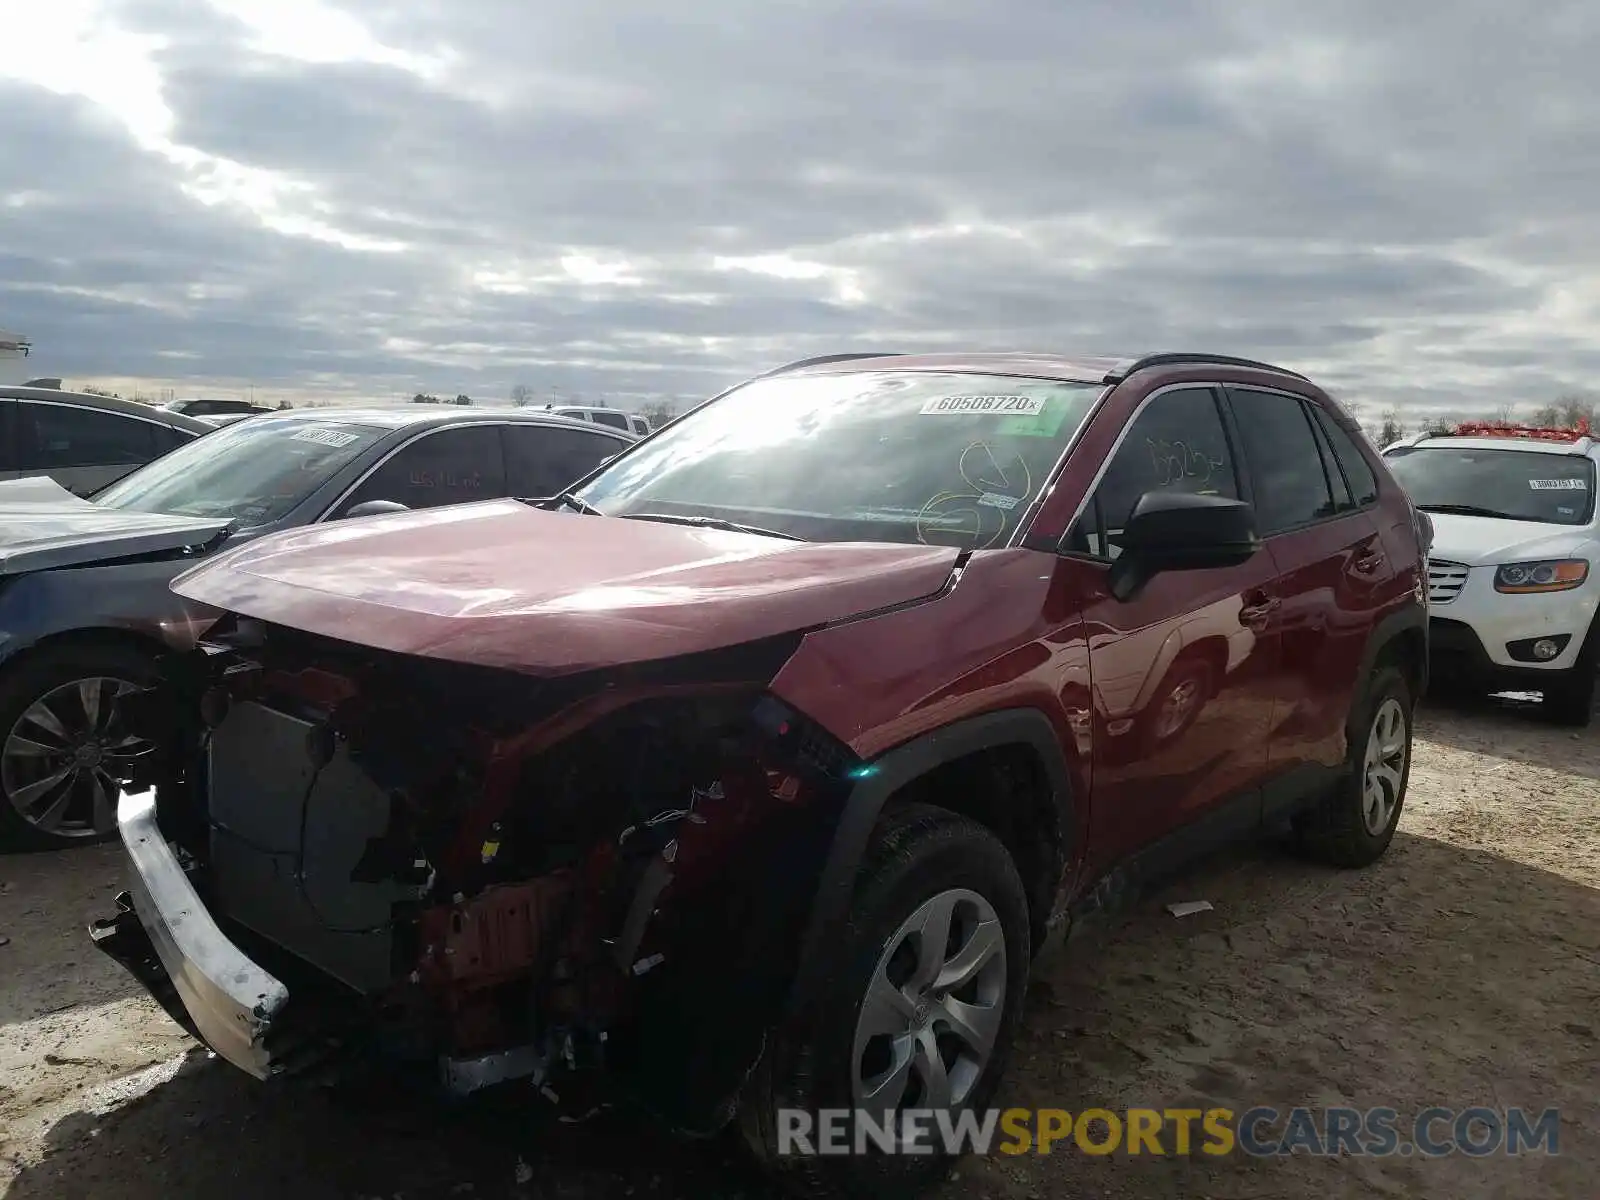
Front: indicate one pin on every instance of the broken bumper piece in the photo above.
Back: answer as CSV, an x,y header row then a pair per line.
x,y
229,1001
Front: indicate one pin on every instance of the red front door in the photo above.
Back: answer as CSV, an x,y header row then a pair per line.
x,y
1183,673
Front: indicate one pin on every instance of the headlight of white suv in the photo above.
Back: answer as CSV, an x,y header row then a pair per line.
x,y
1547,575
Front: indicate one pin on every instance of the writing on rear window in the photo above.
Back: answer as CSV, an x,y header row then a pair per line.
x,y
325,437
1023,406
996,500
1559,485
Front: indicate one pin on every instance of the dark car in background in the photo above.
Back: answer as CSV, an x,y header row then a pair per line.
x,y
84,597
83,441
198,407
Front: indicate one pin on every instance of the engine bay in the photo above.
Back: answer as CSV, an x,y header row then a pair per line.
x,y
516,878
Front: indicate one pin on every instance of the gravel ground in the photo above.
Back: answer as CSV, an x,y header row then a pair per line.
x,y
1462,970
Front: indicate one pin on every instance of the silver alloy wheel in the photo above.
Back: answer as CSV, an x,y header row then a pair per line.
x,y
1177,706
64,759
1385,766
932,1011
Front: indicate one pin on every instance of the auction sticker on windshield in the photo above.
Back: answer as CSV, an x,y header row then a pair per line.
x,y
1013,405
326,437
1559,485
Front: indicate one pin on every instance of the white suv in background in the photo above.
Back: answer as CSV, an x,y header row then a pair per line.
x,y
612,418
1512,575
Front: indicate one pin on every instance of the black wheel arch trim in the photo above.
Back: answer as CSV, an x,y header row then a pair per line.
x,y
904,764
1390,629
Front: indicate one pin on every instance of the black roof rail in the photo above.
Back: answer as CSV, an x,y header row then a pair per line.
x,y
823,359
1181,359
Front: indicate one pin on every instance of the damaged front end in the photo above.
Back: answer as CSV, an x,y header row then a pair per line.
x,y
353,855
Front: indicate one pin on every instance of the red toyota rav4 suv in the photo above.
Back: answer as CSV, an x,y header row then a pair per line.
x,y
752,773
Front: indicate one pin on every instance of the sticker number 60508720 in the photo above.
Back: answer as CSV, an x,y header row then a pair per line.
x,y
1013,405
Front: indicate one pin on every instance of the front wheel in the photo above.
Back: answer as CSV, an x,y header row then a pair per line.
x,y
915,1017
1571,701
63,749
1355,824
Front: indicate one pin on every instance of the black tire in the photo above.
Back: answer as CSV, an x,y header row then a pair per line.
x,y
1570,701
917,852
35,676
1337,832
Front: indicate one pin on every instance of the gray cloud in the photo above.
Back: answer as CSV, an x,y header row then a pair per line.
x,y
1402,208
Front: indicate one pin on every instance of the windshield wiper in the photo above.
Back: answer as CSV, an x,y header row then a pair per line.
x,y
1470,510
711,523
567,499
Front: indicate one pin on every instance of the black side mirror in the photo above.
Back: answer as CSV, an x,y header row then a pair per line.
x,y
1179,531
373,508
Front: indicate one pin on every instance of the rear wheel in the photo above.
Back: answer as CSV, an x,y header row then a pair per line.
x,y
63,749
917,1013
1355,824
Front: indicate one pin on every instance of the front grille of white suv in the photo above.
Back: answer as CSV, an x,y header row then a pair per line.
x,y
1445,580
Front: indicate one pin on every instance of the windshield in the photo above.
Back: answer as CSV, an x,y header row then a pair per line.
x,y
253,471
1519,485
941,459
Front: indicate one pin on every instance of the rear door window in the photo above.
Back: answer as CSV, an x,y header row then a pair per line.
x,y
56,436
448,466
542,460
615,420
1290,480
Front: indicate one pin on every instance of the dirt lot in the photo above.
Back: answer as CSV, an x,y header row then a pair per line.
x,y
1463,970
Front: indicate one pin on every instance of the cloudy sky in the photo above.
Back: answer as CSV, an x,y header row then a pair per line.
x,y
372,197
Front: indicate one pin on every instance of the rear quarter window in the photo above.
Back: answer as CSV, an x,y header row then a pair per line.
x,y
1357,472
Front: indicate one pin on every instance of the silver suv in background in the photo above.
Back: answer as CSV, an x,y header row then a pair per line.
x,y
612,418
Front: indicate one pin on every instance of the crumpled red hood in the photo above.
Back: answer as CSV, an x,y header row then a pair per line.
x,y
500,584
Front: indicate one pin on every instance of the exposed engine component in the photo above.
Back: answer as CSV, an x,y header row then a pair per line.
x,y
525,876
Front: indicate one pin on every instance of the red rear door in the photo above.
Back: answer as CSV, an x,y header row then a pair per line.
x,y
1331,567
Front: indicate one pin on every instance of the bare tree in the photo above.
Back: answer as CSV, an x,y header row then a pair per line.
x,y
1392,429
1568,412
658,413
